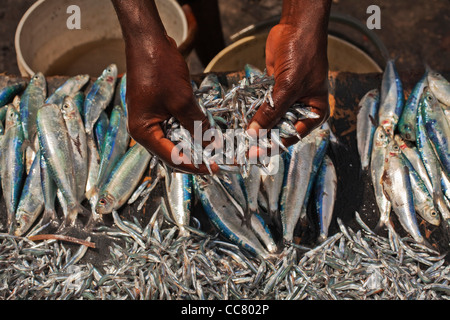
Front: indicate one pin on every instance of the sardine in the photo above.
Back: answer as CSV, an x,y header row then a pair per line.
x,y
123,179
325,195
180,199
31,202
439,86
397,187
423,201
12,164
366,125
437,128
431,163
391,99
272,183
100,129
380,143
49,190
407,123
55,145
413,156
99,96
8,93
114,145
292,198
225,216
30,102
77,135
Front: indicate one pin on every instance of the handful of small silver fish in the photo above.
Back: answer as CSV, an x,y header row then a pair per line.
x,y
404,143
66,148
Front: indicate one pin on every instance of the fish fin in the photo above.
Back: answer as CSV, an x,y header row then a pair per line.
x,y
379,227
374,122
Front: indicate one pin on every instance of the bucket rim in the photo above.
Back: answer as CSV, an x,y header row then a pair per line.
x,y
241,41
23,65
26,70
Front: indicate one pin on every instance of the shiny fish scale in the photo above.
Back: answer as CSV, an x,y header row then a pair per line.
x,y
123,179
57,151
397,187
180,198
8,93
69,88
78,142
99,96
30,102
366,125
437,127
391,99
12,164
31,202
407,124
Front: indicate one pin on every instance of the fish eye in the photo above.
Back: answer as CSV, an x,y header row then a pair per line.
x,y
433,213
66,106
102,201
430,98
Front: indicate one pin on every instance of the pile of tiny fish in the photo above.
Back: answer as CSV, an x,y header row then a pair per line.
x,y
161,266
404,143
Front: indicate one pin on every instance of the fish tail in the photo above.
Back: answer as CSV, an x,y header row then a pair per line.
x,y
49,215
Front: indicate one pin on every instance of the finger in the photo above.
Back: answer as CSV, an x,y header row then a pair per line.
x,y
194,120
269,115
154,140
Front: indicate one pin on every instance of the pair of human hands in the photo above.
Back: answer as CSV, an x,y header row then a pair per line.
x,y
159,87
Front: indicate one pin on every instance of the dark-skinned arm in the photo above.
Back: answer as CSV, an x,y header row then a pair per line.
x,y
158,82
296,55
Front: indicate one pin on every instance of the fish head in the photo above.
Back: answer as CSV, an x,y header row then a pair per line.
x,y
23,223
435,77
68,107
38,80
105,204
393,148
110,73
12,116
381,138
428,98
432,215
407,132
400,141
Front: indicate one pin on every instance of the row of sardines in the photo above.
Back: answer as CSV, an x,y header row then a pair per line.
x,y
69,148
63,147
404,143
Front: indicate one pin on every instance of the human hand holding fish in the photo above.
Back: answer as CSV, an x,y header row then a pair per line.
x,y
296,55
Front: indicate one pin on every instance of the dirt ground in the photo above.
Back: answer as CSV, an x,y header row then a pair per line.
x,y
414,32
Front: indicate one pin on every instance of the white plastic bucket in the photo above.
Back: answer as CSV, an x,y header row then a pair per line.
x,y
44,42
342,56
